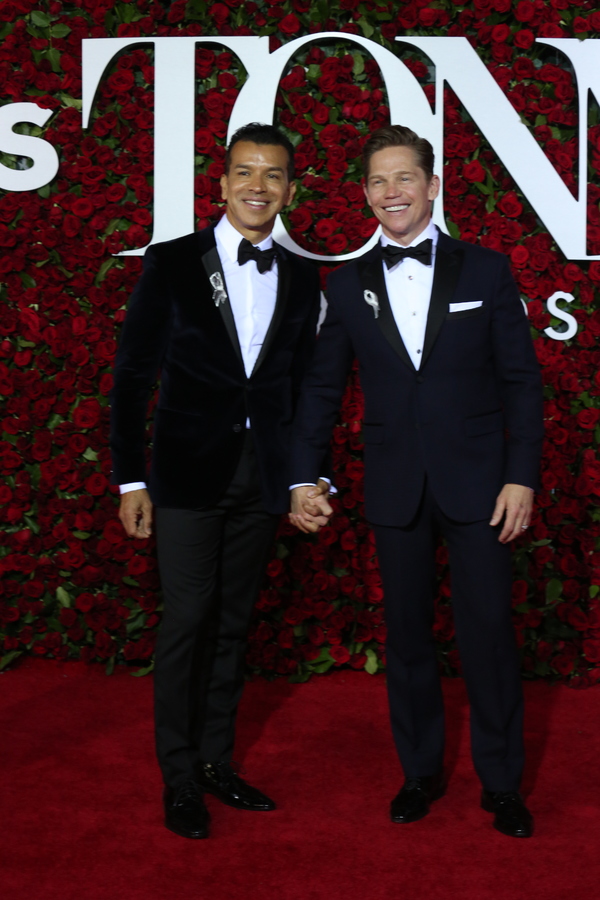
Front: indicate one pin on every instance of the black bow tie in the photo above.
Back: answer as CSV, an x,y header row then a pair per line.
x,y
263,258
393,255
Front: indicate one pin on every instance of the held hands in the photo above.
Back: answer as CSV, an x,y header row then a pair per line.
x,y
310,507
135,513
515,502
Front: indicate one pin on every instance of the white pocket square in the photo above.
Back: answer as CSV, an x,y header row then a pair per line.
x,y
470,304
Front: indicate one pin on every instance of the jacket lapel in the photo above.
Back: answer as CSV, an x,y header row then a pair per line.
x,y
212,265
448,263
284,285
370,270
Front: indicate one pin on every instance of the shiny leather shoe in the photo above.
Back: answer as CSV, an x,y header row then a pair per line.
x,y
412,802
511,815
185,812
221,780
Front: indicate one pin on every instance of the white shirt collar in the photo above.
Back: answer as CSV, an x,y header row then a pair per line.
x,y
229,239
429,232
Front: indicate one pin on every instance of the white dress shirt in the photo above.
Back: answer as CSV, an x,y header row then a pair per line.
x,y
252,297
409,285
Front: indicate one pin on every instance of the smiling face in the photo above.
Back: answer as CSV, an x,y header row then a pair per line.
x,y
256,188
400,193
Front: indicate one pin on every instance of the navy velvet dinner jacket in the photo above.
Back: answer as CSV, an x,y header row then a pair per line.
x,y
469,419
173,325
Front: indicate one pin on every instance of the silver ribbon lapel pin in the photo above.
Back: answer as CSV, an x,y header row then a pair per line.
x,y
219,292
372,300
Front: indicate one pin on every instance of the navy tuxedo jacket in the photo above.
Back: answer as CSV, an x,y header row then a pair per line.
x,y
174,327
470,419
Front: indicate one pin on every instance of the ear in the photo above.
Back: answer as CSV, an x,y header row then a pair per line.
x,y
434,188
291,193
224,183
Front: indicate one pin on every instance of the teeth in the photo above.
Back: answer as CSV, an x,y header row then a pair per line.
x,y
396,208
257,203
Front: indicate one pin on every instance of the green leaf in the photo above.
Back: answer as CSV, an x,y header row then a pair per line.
x,y
90,455
453,229
594,588
108,263
53,54
60,30
372,663
27,280
553,590
110,666
63,597
41,19
32,524
299,677
145,671
366,28
483,188
67,100
359,64
81,535
490,203
8,658
44,191
127,579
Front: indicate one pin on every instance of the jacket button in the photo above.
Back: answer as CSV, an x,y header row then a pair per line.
x,y
237,428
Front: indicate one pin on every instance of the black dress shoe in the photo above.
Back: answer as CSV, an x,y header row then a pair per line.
x,y
185,812
412,802
511,815
224,783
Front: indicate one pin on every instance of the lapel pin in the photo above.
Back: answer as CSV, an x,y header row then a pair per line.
x,y
371,299
219,292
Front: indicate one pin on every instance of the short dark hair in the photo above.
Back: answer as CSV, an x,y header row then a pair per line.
x,y
259,133
399,136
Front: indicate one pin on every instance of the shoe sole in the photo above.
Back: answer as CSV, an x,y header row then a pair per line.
x,y
196,836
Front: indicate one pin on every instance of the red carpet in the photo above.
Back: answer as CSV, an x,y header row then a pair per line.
x,y
81,814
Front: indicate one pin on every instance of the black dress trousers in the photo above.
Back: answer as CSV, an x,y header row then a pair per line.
x,y
211,563
480,571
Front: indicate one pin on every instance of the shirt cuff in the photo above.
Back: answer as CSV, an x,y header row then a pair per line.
x,y
132,486
332,489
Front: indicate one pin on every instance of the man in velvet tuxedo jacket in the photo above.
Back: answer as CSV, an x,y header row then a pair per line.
x,y
452,433
229,320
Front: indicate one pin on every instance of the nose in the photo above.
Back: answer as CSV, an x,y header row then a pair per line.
x,y
256,183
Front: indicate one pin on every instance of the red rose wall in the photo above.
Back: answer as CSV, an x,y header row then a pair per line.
x,y
73,585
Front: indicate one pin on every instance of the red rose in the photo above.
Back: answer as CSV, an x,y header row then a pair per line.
x,y
525,11
510,205
87,414
473,171
588,418
336,243
290,24
340,654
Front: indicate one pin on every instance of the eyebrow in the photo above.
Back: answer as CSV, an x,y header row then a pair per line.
x,y
399,172
249,165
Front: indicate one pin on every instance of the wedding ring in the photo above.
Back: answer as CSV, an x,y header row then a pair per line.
x,y
524,527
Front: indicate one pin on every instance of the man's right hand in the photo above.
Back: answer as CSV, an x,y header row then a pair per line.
x,y
310,507
135,513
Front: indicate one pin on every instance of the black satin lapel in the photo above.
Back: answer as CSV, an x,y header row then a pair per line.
x,y
212,263
373,279
445,279
284,285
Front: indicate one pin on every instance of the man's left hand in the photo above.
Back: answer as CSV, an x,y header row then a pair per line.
x,y
515,503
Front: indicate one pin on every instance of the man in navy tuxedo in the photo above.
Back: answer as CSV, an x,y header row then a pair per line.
x,y
452,432
229,320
